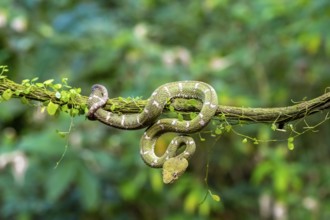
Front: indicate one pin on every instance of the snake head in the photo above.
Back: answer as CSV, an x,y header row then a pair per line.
x,y
173,168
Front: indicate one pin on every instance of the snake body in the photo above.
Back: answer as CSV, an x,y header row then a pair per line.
x,y
173,164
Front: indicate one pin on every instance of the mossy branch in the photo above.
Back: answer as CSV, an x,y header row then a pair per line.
x,y
68,99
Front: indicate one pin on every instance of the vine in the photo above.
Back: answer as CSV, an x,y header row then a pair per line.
x,y
61,97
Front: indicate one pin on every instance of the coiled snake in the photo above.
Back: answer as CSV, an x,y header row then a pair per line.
x,y
173,164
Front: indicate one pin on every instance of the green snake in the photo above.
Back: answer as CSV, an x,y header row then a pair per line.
x,y
173,163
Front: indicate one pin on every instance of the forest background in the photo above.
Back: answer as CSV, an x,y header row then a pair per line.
x,y
254,53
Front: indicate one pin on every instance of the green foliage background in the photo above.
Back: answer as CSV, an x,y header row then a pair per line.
x,y
255,53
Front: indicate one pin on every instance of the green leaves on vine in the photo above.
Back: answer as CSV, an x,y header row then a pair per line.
x,y
4,69
52,108
57,96
7,94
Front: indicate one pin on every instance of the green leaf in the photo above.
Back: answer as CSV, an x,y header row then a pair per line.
x,y
27,90
34,79
274,127
290,143
218,130
48,82
74,112
64,108
62,134
255,141
113,107
40,85
52,108
228,128
57,86
244,140
18,92
65,81
26,82
214,196
223,117
201,138
65,96
6,95
24,100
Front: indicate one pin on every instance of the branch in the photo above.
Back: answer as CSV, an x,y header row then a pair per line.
x,y
68,99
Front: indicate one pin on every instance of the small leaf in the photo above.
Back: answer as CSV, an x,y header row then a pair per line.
x,y
244,140
113,107
74,112
34,79
290,143
214,196
65,81
25,81
255,141
218,130
65,96
171,108
27,90
40,85
228,128
291,146
18,92
52,108
274,127
64,108
24,100
57,86
62,134
223,117
48,82
7,94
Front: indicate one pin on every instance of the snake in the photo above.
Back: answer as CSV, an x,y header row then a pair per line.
x,y
173,163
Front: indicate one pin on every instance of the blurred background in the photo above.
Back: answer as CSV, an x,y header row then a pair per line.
x,y
254,53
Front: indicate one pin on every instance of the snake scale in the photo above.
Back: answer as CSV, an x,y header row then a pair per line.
x,y
173,163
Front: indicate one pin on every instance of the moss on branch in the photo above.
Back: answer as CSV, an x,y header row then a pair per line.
x,y
67,99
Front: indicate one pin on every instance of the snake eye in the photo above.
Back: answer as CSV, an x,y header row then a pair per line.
x,y
175,175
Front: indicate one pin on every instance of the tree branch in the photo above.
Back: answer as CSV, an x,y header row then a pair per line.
x,y
46,93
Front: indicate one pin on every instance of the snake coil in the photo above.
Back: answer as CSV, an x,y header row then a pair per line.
x,y
173,164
